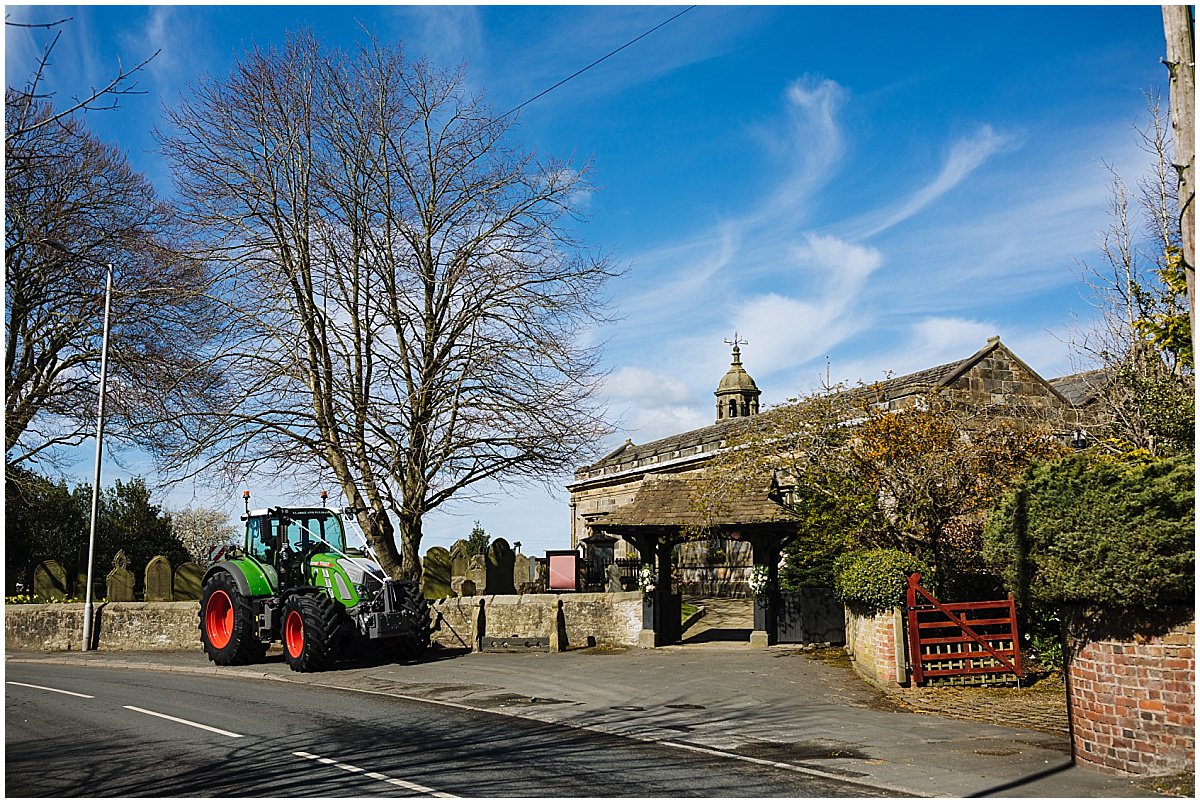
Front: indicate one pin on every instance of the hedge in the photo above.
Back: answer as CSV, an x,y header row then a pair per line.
x,y
1101,532
875,579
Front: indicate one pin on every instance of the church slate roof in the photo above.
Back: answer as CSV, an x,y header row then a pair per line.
x,y
658,454
1083,387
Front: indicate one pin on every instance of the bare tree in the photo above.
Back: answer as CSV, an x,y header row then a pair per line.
x,y
407,306
73,204
25,106
1140,338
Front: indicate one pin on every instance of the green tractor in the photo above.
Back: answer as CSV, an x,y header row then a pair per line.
x,y
296,581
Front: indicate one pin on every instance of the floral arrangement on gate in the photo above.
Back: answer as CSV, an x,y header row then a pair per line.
x,y
760,582
647,579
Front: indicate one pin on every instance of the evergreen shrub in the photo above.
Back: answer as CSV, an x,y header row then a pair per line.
x,y
875,579
1098,532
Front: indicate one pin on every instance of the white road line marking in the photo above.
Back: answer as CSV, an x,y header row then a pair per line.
x,y
184,722
375,776
47,688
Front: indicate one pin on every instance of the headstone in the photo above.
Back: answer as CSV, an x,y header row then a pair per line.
x,y
188,578
499,567
477,572
435,573
612,579
50,580
158,579
120,580
460,559
462,586
523,576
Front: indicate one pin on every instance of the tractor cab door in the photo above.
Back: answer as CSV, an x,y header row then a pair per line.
x,y
293,543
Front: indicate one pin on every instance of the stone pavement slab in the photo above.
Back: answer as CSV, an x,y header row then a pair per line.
x,y
778,706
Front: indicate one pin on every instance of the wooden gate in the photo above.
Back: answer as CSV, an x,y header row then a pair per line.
x,y
961,642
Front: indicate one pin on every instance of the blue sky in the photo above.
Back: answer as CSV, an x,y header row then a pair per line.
x,y
883,188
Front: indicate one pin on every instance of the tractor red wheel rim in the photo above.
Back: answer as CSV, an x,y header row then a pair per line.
x,y
218,619
293,634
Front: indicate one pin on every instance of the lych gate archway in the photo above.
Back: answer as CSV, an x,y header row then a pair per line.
x,y
663,515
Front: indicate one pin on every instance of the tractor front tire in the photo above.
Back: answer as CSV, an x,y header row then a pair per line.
x,y
312,632
228,627
413,602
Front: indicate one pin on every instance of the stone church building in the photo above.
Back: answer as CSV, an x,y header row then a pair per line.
x,y
639,491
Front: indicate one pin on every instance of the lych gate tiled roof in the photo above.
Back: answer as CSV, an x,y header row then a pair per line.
x,y
666,501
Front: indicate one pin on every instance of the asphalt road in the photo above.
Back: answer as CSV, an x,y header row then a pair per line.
x,y
73,731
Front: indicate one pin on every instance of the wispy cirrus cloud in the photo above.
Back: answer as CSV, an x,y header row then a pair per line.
x,y
811,143
964,157
789,330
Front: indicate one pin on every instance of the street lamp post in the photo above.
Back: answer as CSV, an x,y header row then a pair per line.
x,y
91,561
88,611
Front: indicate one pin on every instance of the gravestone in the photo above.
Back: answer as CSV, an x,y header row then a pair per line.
x,y
477,573
188,578
81,586
460,559
499,567
435,573
612,579
120,579
50,580
158,580
463,587
523,576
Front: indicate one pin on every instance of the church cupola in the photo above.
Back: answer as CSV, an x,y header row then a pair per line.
x,y
737,395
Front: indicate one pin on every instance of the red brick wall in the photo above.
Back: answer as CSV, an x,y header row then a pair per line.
x,y
871,642
1133,703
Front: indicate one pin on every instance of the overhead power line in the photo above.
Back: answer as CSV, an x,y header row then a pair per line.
x,y
594,63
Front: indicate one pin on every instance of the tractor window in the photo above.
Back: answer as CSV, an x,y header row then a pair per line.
x,y
258,539
319,528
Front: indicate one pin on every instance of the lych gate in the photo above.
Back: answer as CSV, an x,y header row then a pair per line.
x,y
662,515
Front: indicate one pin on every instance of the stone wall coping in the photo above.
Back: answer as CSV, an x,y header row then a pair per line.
x,y
98,604
542,599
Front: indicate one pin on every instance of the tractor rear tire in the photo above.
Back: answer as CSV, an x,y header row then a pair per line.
x,y
228,625
413,602
312,632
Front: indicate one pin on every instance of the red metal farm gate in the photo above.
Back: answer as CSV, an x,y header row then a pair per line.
x,y
961,642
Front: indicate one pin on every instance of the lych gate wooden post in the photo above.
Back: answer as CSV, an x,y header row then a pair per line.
x,y
766,555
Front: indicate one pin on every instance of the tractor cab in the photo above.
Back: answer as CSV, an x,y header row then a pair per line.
x,y
282,539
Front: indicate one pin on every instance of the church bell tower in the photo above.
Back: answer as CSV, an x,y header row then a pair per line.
x,y
737,395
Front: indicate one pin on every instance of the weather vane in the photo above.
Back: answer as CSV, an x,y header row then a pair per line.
x,y
736,341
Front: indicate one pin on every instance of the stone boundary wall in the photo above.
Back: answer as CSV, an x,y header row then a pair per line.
x,y
875,644
119,626
613,620
1133,703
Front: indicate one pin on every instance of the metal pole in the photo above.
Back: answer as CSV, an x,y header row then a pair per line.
x,y
87,604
